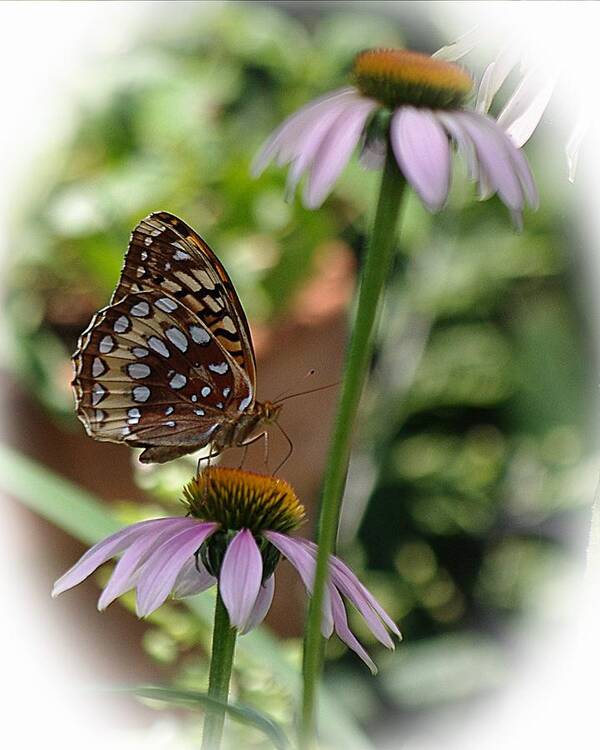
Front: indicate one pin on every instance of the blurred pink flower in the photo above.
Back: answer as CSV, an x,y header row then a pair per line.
x,y
172,555
539,72
523,111
424,99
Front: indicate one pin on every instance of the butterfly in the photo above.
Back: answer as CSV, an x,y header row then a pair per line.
x,y
169,365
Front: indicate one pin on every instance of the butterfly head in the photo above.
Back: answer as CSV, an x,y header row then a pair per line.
x,y
269,411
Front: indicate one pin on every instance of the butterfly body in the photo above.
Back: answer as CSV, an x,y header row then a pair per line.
x,y
236,431
169,365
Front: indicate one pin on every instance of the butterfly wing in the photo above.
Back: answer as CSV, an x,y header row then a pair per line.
x,y
150,373
165,253
169,362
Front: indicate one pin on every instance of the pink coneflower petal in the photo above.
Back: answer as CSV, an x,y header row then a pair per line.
x,y
359,594
514,157
162,568
125,574
466,147
307,128
283,142
193,578
312,136
506,148
524,174
240,578
340,620
423,153
302,560
494,76
491,146
575,141
459,48
261,605
524,110
107,548
463,143
335,150
348,584
356,596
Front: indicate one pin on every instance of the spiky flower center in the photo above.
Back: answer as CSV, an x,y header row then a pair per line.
x,y
238,499
395,77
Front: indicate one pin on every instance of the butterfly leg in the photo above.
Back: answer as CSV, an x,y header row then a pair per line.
x,y
290,447
266,454
254,439
207,459
243,456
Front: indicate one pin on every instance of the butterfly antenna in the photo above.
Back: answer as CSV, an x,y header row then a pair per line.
x,y
309,374
305,393
290,447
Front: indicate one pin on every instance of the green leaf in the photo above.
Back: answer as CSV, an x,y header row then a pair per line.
x,y
79,513
55,499
238,712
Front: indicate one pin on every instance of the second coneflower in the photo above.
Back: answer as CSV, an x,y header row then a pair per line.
x,y
420,103
407,111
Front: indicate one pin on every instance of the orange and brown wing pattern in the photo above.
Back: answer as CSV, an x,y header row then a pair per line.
x,y
148,373
164,252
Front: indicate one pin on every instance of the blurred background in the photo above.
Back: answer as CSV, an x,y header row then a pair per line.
x,y
476,451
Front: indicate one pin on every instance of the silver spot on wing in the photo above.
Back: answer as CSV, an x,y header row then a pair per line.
x,y
134,415
98,393
245,403
177,338
220,368
178,381
107,344
166,304
200,335
122,324
137,371
98,367
140,393
140,310
158,346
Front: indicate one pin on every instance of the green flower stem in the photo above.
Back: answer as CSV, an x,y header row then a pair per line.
x,y
221,661
375,271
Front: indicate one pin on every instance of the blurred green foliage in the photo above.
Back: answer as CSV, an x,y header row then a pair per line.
x,y
174,123
474,446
